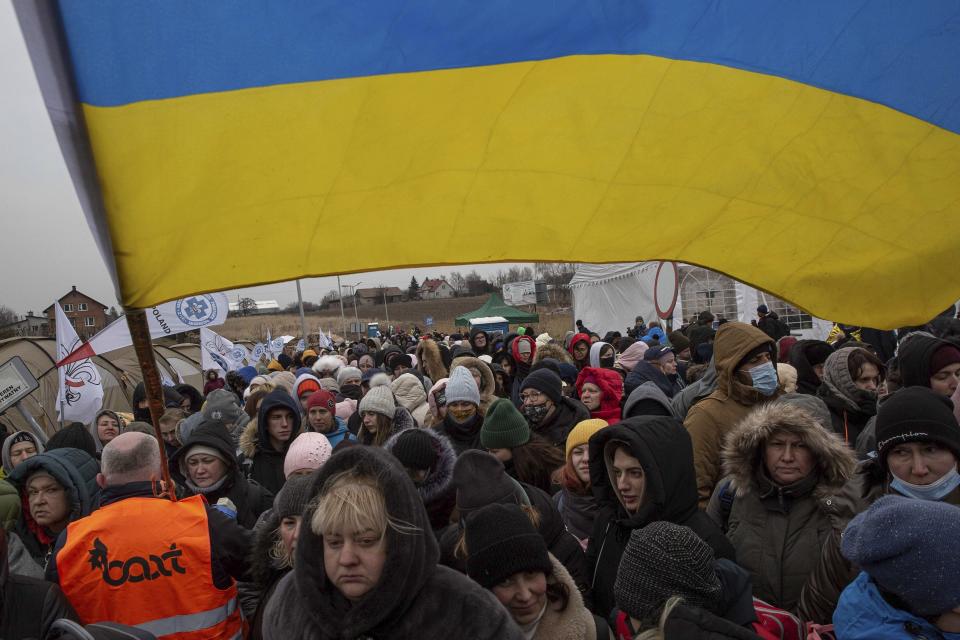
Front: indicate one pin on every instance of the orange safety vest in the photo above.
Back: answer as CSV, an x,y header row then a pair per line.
x,y
145,562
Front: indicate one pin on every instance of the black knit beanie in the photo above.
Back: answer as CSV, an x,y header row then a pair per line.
x,y
546,382
414,449
75,436
916,414
480,480
663,560
501,541
293,497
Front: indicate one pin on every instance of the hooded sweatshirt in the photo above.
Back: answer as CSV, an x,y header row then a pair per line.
x,y
712,418
664,450
414,598
8,443
77,472
648,400
850,407
259,460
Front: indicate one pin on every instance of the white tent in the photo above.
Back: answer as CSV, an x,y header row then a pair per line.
x,y
608,297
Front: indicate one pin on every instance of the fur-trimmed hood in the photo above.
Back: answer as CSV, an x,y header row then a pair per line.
x,y
439,479
488,384
552,350
742,453
430,360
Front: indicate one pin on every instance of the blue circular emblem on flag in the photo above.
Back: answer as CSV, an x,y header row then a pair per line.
x,y
197,311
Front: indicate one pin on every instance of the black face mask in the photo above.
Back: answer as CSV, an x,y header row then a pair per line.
x,y
142,415
607,362
352,391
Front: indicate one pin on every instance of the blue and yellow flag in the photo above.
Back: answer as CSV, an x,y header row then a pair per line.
x,y
811,149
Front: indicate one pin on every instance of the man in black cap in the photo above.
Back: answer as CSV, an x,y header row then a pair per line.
x,y
771,324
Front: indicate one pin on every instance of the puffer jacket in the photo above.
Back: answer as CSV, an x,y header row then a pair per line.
x,y
437,491
778,531
664,450
259,461
712,418
488,385
77,471
9,505
864,614
833,571
409,392
414,598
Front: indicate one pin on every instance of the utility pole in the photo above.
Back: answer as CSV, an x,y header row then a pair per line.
x,y
343,318
303,323
385,310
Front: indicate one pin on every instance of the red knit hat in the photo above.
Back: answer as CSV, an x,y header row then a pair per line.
x,y
944,357
322,398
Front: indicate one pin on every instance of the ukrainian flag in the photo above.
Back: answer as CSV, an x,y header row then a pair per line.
x,y
808,148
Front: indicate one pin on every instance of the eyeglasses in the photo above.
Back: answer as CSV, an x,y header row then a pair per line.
x,y
533,396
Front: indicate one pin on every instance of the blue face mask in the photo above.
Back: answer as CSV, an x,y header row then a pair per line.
x,y
933,492
765,379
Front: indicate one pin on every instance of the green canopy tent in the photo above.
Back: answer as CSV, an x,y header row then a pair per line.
x,y
495,306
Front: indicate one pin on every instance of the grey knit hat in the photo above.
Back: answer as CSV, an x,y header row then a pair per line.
x,y
663,560
294,496
461,387
379,400
348,373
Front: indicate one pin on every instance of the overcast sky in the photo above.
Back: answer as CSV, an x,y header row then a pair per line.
x,y
45,244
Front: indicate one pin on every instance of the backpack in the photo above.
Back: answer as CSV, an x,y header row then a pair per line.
x,y
776,624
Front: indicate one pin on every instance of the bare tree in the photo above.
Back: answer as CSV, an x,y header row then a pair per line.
x,y
458,282
7,315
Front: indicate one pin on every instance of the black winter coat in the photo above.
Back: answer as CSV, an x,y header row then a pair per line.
x,y
664,449
555,428
259,461
646,372
414,598
249,498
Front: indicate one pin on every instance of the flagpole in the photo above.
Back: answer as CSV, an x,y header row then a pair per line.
x,y
143,346
303,323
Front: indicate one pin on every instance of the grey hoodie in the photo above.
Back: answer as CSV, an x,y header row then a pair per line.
x,y
649,392
8,443
691,395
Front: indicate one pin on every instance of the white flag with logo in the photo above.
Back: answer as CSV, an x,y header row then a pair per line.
x,y
167,319
80,391
214,351
324,340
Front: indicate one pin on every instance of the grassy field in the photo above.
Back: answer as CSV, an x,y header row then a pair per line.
x,y
404,314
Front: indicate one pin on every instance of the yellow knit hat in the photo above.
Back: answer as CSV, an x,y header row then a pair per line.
x,y
274,366
581,433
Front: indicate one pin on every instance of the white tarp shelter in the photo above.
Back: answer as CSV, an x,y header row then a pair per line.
x,y
608,297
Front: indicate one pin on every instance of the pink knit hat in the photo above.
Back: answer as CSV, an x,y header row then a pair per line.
x,y
633,355
309,450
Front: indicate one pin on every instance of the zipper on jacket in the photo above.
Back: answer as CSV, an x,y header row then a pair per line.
x,y
593,583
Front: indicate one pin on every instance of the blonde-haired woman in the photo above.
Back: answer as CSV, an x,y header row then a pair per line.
x,y
366,564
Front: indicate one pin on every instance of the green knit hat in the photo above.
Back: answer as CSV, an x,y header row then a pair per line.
x,y
504,427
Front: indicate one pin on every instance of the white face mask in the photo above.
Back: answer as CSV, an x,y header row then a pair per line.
x,y
934,491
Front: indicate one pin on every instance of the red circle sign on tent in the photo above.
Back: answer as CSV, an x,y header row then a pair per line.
x,y
666,286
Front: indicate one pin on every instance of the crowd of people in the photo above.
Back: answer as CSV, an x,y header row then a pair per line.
x,y
720,480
